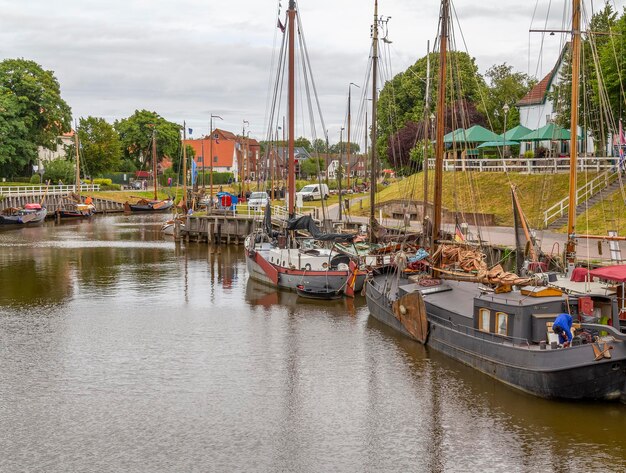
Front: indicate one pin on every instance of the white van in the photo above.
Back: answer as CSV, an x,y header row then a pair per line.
x,y
314,192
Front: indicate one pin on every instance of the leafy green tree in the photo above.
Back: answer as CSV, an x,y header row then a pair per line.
x,y
612,54
342,146
136,137
34,112
312,167
14,139
302,142
101,151
59,170
319,145
403,98
505,88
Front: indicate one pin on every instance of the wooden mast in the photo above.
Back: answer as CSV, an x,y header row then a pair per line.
x,y
570,248
184,200
154,162
426,125
291,176
373,165
77,145
441,101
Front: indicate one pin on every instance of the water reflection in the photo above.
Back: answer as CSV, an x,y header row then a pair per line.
x,y
122,351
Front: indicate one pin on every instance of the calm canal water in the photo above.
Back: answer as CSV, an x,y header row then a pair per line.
x,y
121,351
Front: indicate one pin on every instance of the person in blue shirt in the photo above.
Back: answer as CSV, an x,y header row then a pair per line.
x,y
562,326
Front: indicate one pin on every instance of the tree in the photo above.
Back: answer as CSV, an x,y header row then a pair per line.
x,y
312,167
342,146
302,142
34,112
403,98
101,151
14,139
319,145
136,137
402,142
505,88
59,170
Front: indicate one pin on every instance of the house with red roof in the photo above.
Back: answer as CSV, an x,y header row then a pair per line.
x,y
537,108
218,151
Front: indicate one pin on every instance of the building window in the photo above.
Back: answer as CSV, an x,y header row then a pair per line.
x,y
214,159
502,323
484,319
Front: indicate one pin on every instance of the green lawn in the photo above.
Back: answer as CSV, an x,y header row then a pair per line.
x,y
487,192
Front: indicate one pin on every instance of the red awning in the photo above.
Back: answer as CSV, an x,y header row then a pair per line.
x,y
611,273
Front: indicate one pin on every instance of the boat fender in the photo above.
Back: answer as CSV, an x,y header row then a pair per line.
x,y
402,309
307,267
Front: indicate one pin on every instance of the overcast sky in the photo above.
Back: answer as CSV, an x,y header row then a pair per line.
x,y
186,59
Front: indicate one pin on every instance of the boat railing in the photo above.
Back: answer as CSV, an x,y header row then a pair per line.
x,y
474,332
15,191
526,165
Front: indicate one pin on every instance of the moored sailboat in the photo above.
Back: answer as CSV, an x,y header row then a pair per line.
x,y
504,332
285,260
155,204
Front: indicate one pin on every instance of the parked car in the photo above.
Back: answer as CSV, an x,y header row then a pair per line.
x,y
314,192
258,200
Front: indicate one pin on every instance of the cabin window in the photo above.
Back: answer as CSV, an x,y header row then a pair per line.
x,y
484,319
502,323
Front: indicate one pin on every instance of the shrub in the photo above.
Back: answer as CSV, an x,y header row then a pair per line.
x,y
35,179
104,182
59,170
542,152
109,187
530,154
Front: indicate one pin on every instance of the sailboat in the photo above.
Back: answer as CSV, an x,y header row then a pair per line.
x,y
156,204
505,332
285,261
74,206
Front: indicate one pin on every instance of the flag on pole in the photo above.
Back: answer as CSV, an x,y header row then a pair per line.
x,y
194,171
622,145
458,234
190,131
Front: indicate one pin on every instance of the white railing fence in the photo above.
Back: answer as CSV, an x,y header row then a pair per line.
x,y
582,194
544,165
49,190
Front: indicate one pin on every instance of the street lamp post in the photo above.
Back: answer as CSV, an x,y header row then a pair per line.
x,y
505,109
339,168
211,151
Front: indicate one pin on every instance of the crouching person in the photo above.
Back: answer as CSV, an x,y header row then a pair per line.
x,y
562,326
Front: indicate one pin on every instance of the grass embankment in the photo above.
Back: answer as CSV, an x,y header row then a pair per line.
x,y
487,192
608,214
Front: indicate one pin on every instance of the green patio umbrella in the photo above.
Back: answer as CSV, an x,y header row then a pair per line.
x,y
549,132
515,133
474,134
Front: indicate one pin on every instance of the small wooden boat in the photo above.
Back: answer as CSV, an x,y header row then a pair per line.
x,y
30,214
318,293
145,205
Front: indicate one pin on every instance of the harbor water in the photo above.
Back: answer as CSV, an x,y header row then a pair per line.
x,y
124,351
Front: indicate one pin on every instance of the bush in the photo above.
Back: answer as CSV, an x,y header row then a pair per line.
x,y
34,179
542,152
104,182
59,170
109,187
26,179
218,177
530,154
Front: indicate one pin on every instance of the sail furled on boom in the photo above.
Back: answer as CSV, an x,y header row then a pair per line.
x,y
307,224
